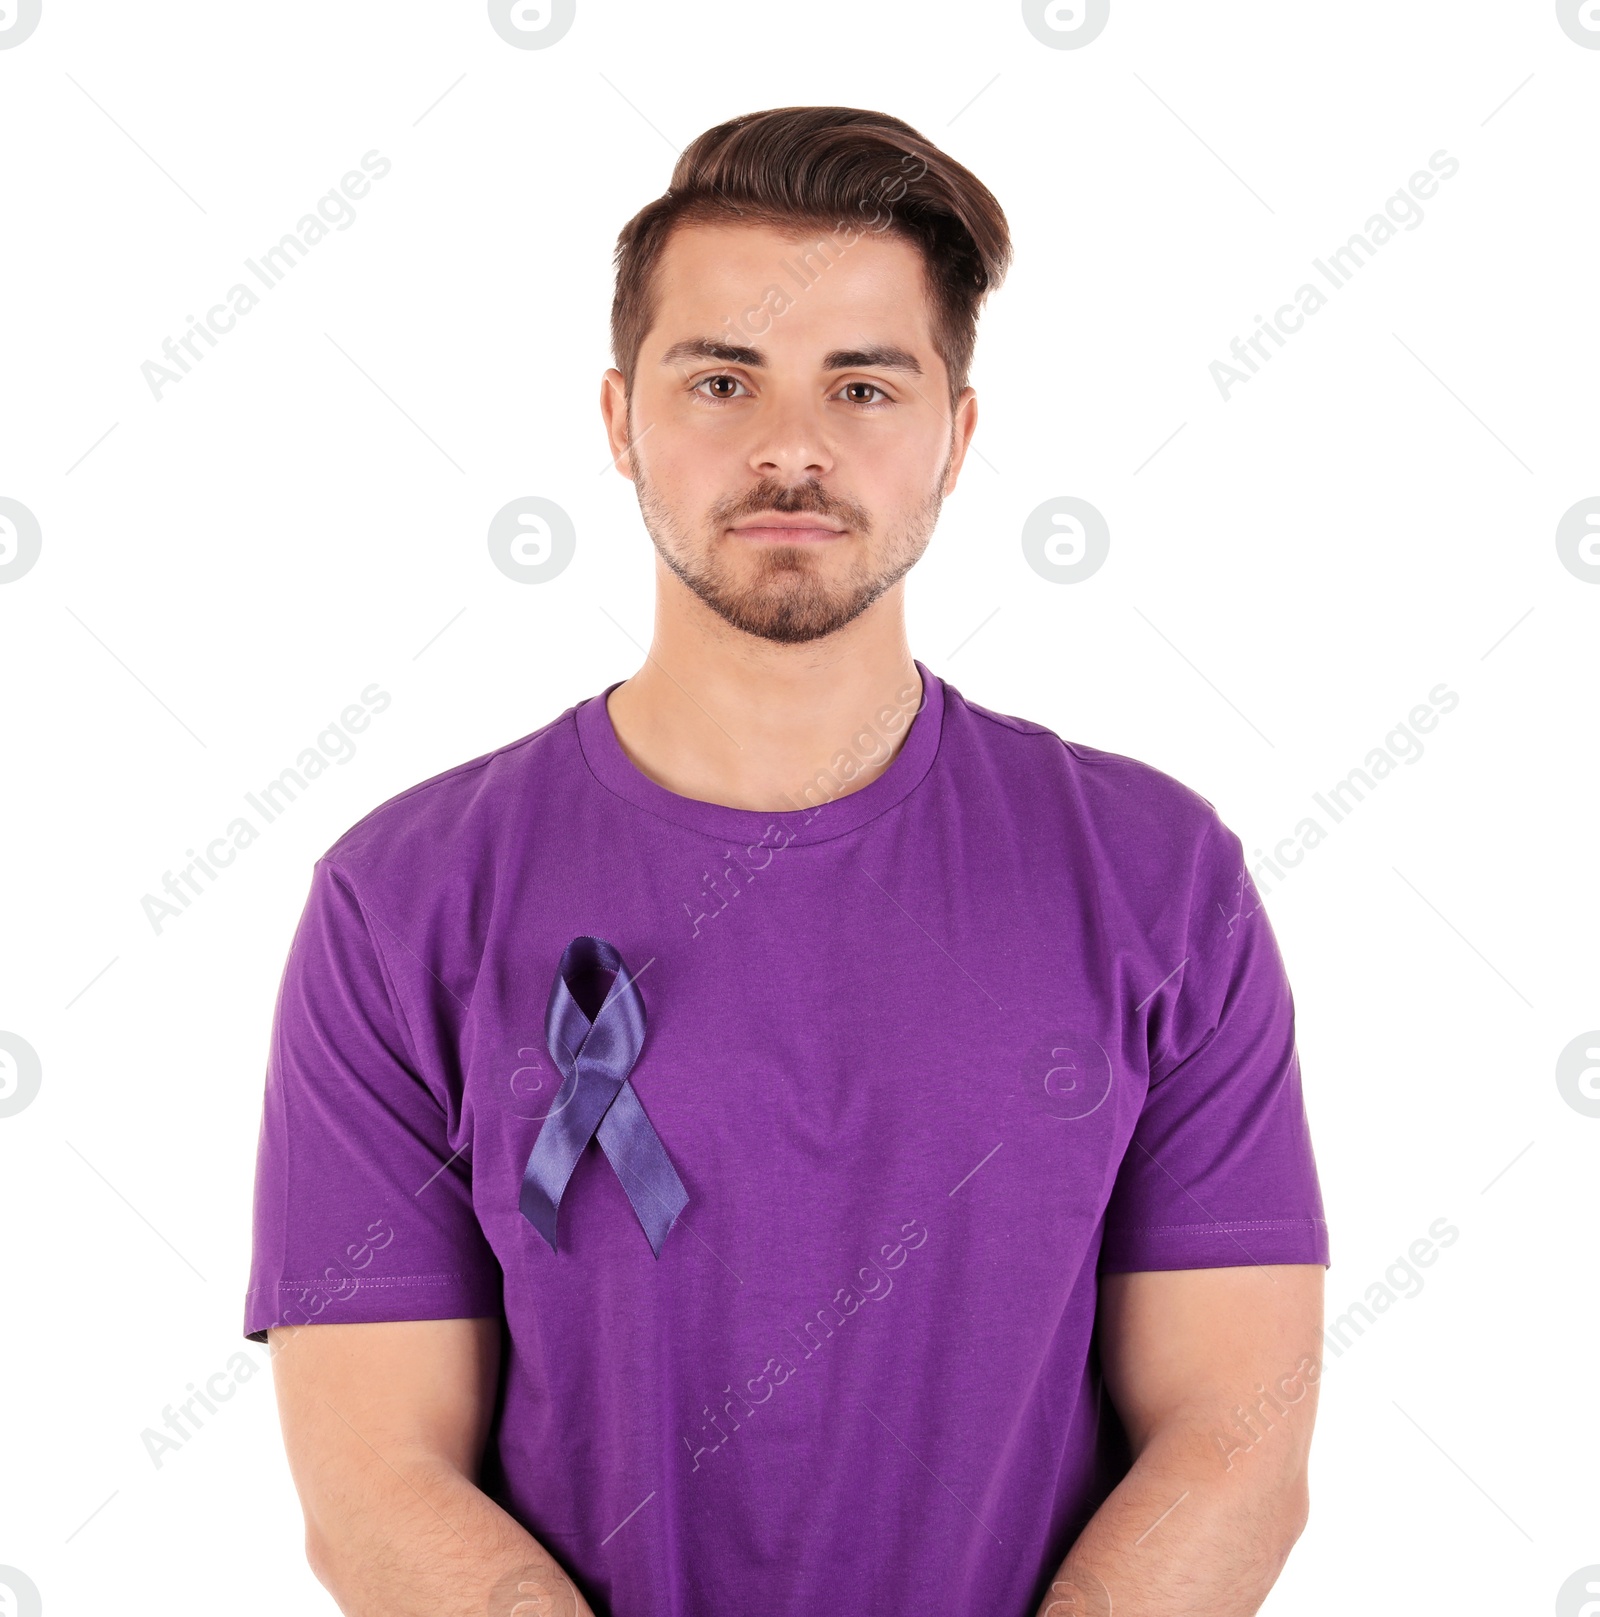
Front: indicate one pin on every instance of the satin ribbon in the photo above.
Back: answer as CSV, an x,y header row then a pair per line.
x,y
596,1099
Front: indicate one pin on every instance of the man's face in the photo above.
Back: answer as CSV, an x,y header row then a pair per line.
x,y
790,435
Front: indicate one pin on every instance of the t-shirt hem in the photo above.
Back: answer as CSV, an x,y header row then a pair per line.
x,y
1222,1245
373,1302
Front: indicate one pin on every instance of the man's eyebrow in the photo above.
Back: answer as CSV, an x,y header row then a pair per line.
x,y
711,348
883,357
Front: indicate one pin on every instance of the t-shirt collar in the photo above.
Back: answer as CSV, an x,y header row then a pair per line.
x,y
820,813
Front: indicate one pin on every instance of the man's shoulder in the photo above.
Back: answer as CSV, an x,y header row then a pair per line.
x,y
447,820
1112,788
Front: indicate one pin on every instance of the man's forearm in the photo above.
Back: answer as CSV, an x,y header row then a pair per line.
x,y
1185,1532
409,1536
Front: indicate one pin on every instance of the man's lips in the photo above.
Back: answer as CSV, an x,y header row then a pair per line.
x,y
790,531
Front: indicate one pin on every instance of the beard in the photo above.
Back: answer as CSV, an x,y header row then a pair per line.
x,y
790,594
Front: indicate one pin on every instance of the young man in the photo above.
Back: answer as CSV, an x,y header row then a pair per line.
x,y
939,1228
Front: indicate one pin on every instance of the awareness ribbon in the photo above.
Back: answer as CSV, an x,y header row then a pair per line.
x,y
596,1099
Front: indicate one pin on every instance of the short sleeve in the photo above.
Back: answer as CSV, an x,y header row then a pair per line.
x,y
363,1208
1220,1170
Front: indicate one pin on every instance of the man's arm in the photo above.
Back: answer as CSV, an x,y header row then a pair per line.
x,y
1214,1374
384,1426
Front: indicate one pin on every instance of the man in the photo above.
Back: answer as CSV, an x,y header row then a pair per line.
x,y
783,1138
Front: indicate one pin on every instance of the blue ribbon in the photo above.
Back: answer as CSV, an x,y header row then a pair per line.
x,y
596,1098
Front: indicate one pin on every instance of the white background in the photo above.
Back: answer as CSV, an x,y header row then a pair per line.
x,y
224,570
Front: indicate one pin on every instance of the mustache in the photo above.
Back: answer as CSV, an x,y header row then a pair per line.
x,y
809,498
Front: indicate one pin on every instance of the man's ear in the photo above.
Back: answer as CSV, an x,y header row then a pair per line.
x,y
614,411
963,423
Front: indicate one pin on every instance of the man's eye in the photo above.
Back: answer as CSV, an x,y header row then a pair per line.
x,y
718,393
868,387
722,386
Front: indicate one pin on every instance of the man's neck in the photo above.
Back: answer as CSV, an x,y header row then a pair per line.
x,y
756,725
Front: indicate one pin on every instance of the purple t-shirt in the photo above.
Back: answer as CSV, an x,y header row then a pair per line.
x,y
925,1057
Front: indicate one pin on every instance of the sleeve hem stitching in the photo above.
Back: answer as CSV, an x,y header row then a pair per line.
x,y
1229,1224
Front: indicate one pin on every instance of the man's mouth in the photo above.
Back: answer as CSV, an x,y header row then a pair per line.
x,y
775,528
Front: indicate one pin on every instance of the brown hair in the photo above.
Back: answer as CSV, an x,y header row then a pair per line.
x,y
827,168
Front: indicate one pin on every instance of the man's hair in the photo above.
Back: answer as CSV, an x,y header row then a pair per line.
x,y
830,169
